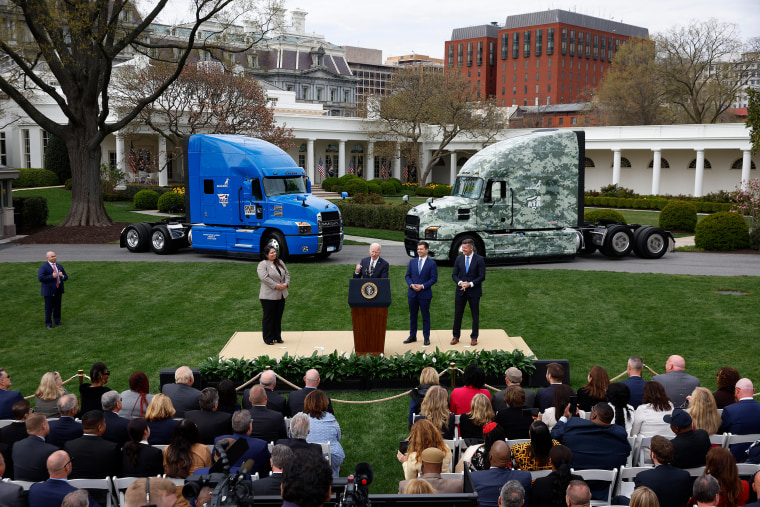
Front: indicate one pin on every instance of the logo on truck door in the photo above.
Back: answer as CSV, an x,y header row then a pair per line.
x,y
223,199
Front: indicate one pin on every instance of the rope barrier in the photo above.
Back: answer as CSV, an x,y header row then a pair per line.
x,y
626,372
79,374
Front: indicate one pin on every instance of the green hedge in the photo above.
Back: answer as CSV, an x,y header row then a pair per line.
x,y
30,178
146,199
708,204
171,202
722,231
679,215
32,211
383,216
597,214
328,183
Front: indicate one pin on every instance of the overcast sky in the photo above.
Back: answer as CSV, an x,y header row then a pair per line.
x,y
399,27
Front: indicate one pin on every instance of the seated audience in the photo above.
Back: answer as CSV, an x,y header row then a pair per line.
x,y
555,374
513,377
671,485
139,458
595,390
705,492
7,397
435,408
677,383
324,427
534,455
560,400
30,454
135,400
756,489
417,487
296,398
90,393
727,379
512,494
54,490
14,432
422,436
228,401
11,495
257,448
488,483
471,423
47,394
476,456
618,396
742,417
634,381
185,454
428,378
211,423
306,479
182,393
515,421
690,446
720,463
703,411
644,497
300,426
578,494
162,493
116,427
275,401
432,464
160,420
66,427
268,425
647,419
281,456
93,457
549,491
474,378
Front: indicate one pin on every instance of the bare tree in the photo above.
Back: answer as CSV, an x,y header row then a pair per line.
x,y
67,51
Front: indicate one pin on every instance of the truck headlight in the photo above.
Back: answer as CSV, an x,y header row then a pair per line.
x,y
319,223
431,233
304,227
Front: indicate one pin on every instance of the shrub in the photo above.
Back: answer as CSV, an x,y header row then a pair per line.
x,y
146,199
29,178
355,186
441,190
425,191
328,183
599,214
368,199
385,216
388,188
35,211
171,202
347,177
722,231
679,215
57,158
396,184
374,187
617,191
68,184
116,196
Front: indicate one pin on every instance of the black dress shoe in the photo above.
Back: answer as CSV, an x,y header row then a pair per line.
x,y
279,340
269,342
410,340
427,341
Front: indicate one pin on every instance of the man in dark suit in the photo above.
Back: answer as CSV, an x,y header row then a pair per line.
x,y
671,485
7,398
14,432
281,456
300,425
677,383
258,450
756,489
555,373
66,427
52,492
690,446
373,266
513,378
469,274
742,417
184,397
30,454
210,423
275,401
93,457
488,483
296,398
268,425
421,275
116,426
51,276
634,381
11,495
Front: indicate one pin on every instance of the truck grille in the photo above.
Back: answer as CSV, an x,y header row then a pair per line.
x,y
463,214
412,227
331,222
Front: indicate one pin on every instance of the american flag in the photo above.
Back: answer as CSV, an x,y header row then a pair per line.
x,y
351,167
406,173
132,158
321,167
383,171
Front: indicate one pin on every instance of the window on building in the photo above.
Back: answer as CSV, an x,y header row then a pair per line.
x,y
480,53
514,90
469,72
525,102
525,89
603,45
549,75
537,90
503,90
572,42
491,53
526,64
478,72
538,63
550,42
302,155
526,77
459,55
516,45
504,46
514,65
579,45
574,120
664,164
561,121
27,147
588,45
304,92
609,49
549,121
514,78
538,76
563,43
319,94
3,150
469,54
548,88
45,140
693,164
539,42
596,46
112,159
289,87
451,55
332,94
526,44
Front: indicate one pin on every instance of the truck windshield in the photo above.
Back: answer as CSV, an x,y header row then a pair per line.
x,y
467,187
280,186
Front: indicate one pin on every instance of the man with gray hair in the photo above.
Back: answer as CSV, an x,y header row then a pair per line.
x,y
513,377
706,491
78,498
299,429
184,397
210,422
512,494
275,401
257,448
373,266
281,456
116,426
634,381
66,427
578,494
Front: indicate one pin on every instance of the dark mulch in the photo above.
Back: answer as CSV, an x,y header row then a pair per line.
x,y
72,235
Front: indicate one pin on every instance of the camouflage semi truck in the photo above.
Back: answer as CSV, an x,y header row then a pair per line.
x,y
521,200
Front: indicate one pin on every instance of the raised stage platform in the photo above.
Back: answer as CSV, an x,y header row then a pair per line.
x,y
249,344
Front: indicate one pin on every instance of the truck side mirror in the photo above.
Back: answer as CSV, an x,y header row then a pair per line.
x,y
406,199
247,190
302,198
344,195
430,202
308,185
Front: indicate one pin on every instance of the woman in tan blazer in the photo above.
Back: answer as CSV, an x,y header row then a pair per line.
x,y
275,279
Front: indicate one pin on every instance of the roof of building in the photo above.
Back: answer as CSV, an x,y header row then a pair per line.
x,y
575,19
474,32
555,108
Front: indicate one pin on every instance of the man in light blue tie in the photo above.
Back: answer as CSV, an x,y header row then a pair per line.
x,y
469,274
421,275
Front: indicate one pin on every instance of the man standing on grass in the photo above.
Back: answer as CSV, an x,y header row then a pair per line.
x,y
469,274
52,275
421,275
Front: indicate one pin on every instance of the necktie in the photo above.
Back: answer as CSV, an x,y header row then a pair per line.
x,y
419,265
57,278
371,268
466,263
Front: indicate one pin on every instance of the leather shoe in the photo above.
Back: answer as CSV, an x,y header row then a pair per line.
x,y
48,326
279,340
474,342
454,341
427,341
269,342
410,340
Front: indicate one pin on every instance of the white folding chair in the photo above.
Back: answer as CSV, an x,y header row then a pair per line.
x,y
696,471
120,485
747,469
642,456
454,447
99,484
631,461
270,446
535,474
24,484
732,439
326,452
161,447
447,475
5,422
718,439
600,475
625,480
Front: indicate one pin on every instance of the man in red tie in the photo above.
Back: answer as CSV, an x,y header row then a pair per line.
x,y
52,275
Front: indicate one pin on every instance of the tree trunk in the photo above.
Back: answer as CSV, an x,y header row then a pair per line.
x,y
87,195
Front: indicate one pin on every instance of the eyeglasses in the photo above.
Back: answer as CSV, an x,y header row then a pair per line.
x,y
67,464
106,372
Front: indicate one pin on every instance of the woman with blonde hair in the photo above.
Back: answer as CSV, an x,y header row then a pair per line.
x,y
471,423
159,416
428,378
435,408
419,487
596,389
644,497
703,411
423,435
47,394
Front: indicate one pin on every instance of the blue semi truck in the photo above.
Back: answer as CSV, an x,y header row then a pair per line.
x,y
242,194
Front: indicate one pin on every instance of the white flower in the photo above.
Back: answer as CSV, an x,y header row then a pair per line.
x,y
382,355
424,356
348,355
278,360
433,360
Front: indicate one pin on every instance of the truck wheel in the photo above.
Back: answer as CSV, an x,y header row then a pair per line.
x,y
137,239
618,242
651,243
276,239
161,241
456,248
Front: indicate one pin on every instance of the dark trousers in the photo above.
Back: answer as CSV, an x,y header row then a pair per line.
x,y
422,305
53,308
271,322
459,304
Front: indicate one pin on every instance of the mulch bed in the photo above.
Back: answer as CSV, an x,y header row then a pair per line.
x,y
79,235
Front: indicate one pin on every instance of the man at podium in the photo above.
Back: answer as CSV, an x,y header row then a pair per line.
x,y
373,266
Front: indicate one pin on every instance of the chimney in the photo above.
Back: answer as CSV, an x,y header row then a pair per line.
x,y
299,20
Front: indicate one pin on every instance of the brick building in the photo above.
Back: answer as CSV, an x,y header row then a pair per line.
x,y
539,58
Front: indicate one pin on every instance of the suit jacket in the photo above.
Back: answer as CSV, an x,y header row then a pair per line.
x,y
276,401
7,399
268,425
593,445
116,428
150,462
488,484
497,399
63,430
741,418
268,485
12,495
210,424
14,432
476,274
258,451
299,443
381,268
270,277
296,398
636,385
678,385
161,431
51,493
671,485
183,398
93,457
45,276
541,492
545,397
515,423
428,277
440,485
690,449
30,459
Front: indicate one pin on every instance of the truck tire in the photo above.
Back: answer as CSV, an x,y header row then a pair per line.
x,y
161,241
651,243
137,239
278,241
456,247
618,242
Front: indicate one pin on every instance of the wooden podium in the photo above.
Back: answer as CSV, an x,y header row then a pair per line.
x,y
369,299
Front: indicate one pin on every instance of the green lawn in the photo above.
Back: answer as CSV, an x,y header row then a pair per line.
x,y
147,316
